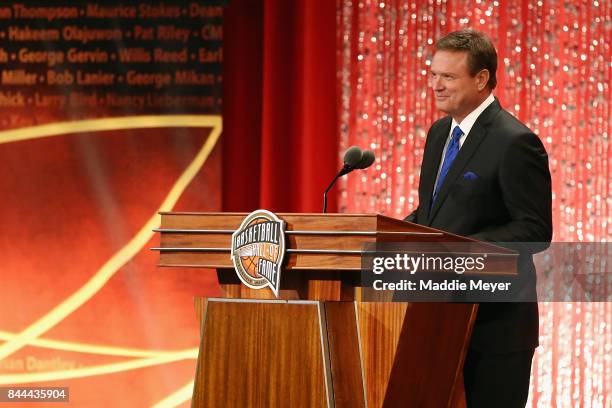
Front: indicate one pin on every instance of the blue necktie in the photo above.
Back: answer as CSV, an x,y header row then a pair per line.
x,y
449,158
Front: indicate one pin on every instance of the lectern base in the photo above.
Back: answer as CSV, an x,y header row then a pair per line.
x,y
266,353
277,353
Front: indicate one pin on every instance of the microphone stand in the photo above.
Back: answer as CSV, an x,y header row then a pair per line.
x,y
345,170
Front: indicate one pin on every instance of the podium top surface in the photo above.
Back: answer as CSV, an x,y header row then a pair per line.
x,y
314,241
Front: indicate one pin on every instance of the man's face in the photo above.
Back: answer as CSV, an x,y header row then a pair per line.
x,y
456,92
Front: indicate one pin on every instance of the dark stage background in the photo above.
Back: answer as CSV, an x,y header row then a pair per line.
x,y
108,115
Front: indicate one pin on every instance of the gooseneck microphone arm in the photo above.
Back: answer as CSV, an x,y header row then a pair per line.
x,y
345,170
352,157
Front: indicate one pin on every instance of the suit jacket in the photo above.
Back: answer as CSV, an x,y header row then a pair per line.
x,y
498,189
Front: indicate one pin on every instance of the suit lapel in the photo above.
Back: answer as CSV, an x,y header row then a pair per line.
x,y
473,140
432,161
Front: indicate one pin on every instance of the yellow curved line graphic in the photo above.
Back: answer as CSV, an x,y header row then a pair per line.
x,y
47,376
106,271
90,348
176,398
106,124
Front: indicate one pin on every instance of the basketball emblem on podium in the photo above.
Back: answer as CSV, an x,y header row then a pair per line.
x,y
258,248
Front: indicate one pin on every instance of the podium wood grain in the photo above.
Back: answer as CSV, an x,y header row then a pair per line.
x,y
332,350
261,355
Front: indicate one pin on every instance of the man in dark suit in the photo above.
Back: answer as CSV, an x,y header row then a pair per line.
x,y
485,175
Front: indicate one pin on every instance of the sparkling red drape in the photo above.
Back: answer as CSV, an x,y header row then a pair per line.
x,y
280,126
554,75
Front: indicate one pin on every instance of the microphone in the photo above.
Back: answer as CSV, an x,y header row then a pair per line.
x,y
354,158
366,160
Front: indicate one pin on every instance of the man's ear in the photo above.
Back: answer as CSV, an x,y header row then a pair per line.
x,y
482,78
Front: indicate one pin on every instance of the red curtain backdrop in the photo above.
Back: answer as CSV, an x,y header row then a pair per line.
x,y
242,79
280,127
554,74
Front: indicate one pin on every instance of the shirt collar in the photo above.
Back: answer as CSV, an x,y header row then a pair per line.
x,y
468,122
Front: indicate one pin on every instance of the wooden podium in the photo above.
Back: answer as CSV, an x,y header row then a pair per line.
x,y
318,346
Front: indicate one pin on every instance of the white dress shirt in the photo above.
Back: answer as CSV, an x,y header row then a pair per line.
x,y
466,125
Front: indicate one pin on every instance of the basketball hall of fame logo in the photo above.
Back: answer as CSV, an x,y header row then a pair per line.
x,y
258,248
